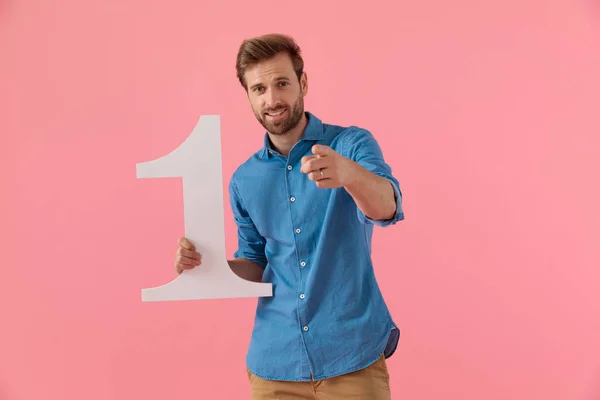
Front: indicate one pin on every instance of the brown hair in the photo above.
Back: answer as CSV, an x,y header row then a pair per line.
x,y
260,48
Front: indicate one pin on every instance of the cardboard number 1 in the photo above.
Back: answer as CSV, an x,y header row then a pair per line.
x,y
198,162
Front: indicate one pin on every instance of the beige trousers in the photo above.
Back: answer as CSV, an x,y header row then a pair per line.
x,y
371,383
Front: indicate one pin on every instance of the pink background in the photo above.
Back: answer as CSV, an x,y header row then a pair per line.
x,y
488,113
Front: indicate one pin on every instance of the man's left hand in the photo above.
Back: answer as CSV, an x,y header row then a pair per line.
x,y
328,168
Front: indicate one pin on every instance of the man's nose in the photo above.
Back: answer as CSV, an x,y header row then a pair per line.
x,y
272,99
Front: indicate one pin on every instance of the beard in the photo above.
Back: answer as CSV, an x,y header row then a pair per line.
x,y
285,124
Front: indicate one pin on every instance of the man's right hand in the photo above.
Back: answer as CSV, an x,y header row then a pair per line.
x,y
186,257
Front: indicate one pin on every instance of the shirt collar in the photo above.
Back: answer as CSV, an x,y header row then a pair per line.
x,y
313,131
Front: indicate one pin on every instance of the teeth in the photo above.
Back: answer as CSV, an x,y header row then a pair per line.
x,y
276,114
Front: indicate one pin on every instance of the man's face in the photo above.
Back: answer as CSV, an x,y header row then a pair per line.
x,y
275,93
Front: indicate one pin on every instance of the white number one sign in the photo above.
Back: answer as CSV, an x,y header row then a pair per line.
x,y
198,162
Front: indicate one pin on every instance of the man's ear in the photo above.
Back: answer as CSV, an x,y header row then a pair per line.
x,y
304,83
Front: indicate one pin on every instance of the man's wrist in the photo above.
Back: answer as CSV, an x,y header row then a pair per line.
x,y
354,175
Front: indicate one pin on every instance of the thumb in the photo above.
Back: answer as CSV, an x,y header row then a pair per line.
x,y
186,244
321,150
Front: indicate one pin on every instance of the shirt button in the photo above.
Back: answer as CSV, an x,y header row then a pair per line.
x,y
305,328
302,296
289,167
303,263
298,230
292,199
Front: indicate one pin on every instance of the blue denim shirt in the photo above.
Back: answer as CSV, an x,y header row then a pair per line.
x,y
327,316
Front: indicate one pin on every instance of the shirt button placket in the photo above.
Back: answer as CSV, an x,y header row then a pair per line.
x,y
302,296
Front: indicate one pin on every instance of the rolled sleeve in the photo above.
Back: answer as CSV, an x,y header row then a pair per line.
x,y
251,245
362,147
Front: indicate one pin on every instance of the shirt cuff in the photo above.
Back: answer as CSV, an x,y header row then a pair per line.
x,y
398,216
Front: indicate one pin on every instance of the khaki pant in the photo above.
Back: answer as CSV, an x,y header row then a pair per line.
x,y
371,383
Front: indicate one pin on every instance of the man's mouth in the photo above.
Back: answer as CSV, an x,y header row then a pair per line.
x,y
275,114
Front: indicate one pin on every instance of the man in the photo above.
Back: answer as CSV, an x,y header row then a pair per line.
x,y
305,205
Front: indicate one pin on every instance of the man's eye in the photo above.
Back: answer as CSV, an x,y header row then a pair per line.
x,y
284,83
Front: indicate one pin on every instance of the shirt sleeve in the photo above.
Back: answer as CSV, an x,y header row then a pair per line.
x,y
362,147
251,245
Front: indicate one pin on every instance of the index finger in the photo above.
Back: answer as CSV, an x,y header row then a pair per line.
x,y
186,244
